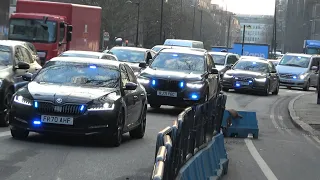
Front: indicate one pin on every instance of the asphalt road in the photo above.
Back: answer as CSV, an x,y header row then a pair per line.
x,y
282,151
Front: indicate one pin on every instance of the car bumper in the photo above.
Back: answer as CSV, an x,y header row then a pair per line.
x,y
88,123
185,97
293,82
252,86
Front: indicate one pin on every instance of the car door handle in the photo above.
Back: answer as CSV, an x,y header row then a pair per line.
x,y
135,97
141,94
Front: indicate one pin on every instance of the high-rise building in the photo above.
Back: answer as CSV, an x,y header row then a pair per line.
x,y
259,28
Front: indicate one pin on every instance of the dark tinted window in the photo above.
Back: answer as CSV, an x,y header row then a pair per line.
x,y
179,62
5,55
129,55
232,59
79,74
26,55
218,59
124,76
251,66
32,48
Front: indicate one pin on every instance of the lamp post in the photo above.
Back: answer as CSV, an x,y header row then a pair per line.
x,y
138,21
201,14
194,19
161,19
243,36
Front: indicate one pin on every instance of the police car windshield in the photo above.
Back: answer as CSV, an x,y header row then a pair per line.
x,y
251,66
178,62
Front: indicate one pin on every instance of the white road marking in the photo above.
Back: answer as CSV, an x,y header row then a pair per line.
x,y
274,121
5,133
261,163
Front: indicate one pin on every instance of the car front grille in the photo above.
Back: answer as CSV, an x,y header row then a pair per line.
x,y
168,85
244,78
287,75
70,109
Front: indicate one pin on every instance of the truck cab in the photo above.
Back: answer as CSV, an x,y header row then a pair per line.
x,y
311,47
50,34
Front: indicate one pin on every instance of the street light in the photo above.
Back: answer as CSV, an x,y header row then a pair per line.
x,y
243,35
138,20
194,20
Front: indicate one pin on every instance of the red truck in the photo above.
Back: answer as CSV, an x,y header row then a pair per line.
x,y
56,27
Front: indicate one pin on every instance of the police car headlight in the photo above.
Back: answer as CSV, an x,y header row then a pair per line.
x,y
143,80
108,106
195,85
22,100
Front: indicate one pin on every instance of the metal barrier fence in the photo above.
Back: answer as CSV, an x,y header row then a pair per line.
x,y
191,132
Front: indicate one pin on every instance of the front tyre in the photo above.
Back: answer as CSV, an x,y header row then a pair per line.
x,y
267,90
276,92
139,132
307,86
19,133
116,138
4,121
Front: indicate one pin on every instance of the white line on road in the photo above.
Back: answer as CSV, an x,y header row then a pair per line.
x,y
262,164
284,126
5,133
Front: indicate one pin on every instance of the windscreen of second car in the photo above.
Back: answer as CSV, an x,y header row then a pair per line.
x,y
218,59
254,66
5,57
79,74
33,30
79,55
178,62
295,61
129,55
157,48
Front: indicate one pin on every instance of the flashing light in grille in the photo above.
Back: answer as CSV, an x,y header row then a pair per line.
x,y
36,105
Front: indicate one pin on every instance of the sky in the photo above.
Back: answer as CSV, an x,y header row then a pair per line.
x,y
254,7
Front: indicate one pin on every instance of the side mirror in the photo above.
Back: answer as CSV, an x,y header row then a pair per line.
x,y
314,68
214,71
23,65
27,77
62,24
143,65
229,66
130,86
69,28
69,36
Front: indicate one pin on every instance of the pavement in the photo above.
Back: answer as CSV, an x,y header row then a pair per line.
x,y
281,152
305,113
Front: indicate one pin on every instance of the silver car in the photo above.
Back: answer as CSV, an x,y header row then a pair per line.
x,y
298,70
224,61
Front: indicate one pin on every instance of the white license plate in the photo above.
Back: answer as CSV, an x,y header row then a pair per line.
x,y
57,120
167,93
243,83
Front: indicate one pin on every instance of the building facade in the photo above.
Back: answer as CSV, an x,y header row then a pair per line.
x,y
259,28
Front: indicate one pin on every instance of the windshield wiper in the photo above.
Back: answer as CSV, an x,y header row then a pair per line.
x,y
296,65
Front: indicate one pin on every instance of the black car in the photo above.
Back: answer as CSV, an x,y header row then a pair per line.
x,y
132,56
80,96
252,75
179,77
15,61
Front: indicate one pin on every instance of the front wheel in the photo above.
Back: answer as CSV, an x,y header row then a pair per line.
x,y
4,121
116,138
19,133
307,86
267,90
139,132
276,92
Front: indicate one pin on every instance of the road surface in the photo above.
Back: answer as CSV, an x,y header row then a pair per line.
x,y
281,152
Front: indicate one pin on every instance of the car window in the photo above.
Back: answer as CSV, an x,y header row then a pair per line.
x,y
62,33
129,55
27,57
124,76
32,48
210,62
18,56
5,55
179,62
79,55
273,67
79,74
231,59
295,61
218,59
131,75
251,66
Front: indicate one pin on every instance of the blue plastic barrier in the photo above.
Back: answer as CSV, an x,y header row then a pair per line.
x,y
210,162
241,127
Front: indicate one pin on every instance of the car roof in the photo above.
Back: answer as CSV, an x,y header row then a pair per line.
x,y
255,59
299,54
11,43
84,52
219,53
87,60
184,50
130,48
